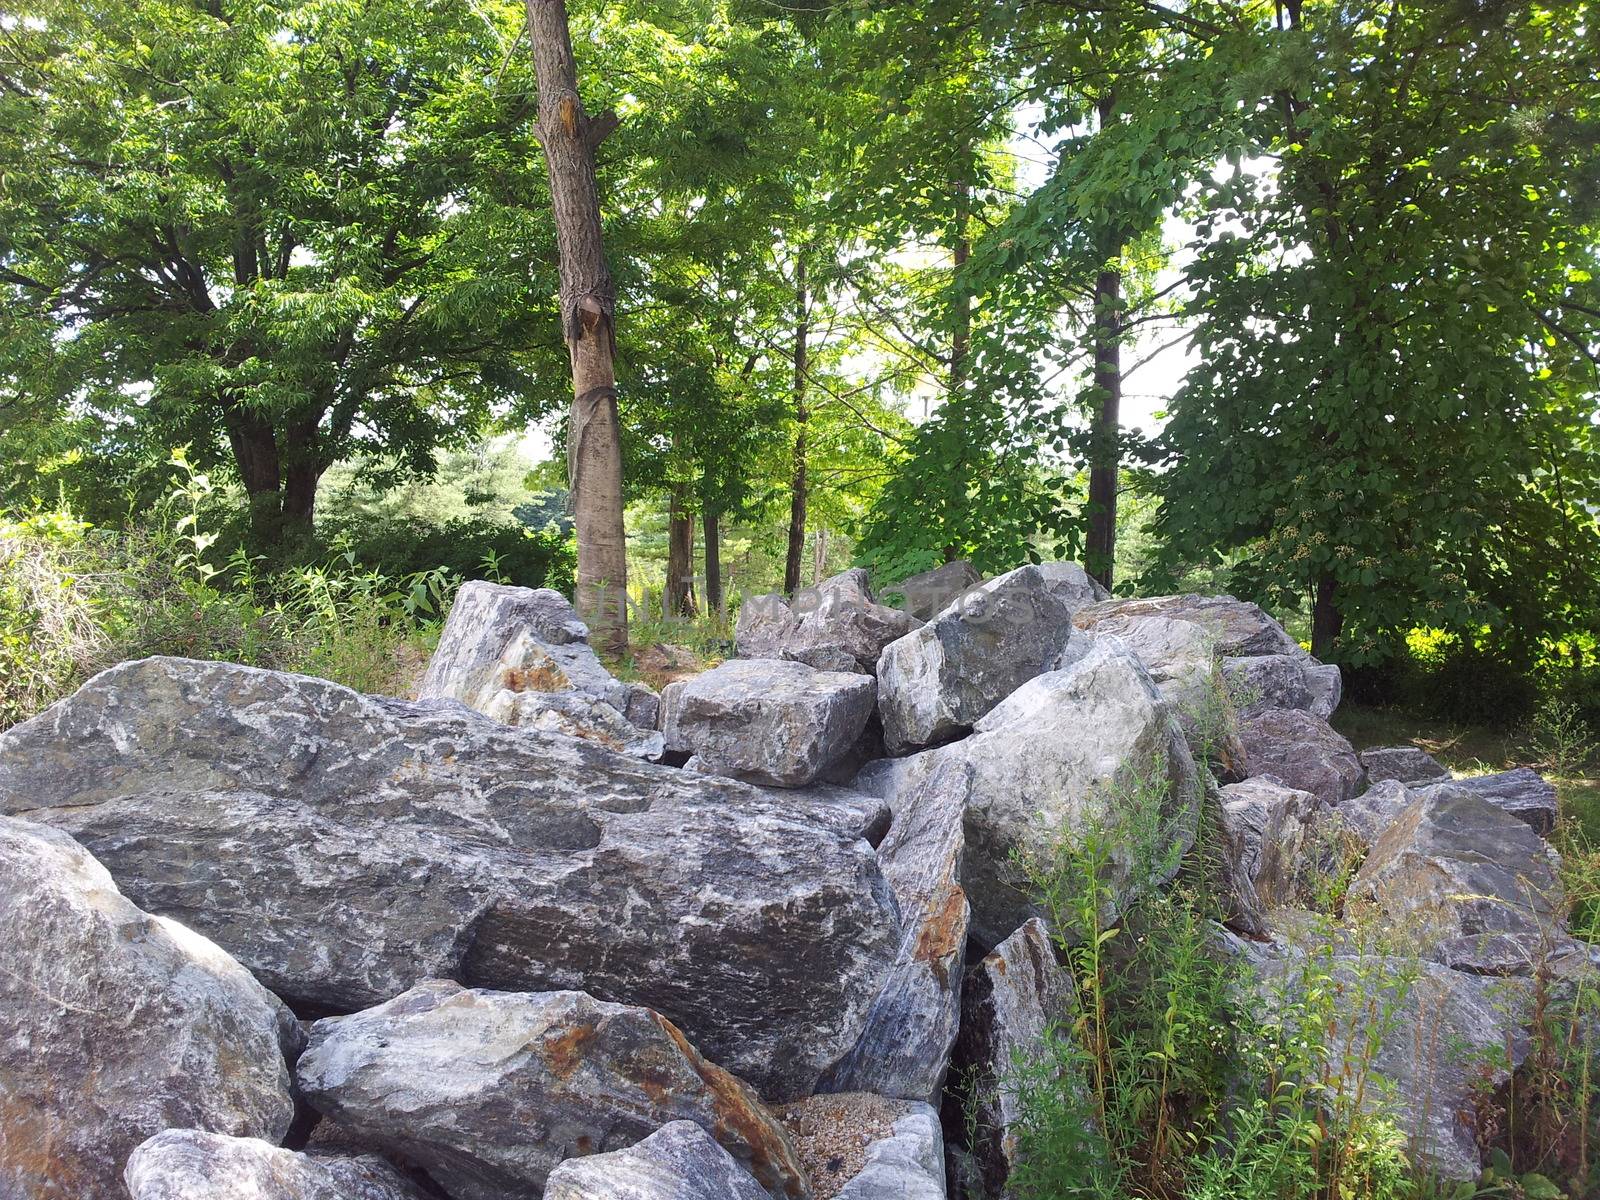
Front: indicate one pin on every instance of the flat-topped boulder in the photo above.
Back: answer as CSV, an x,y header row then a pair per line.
x,y
488,1091
1264,681
345,846
1467,883
115,1024
767,721
936,682
501,641
1410,765
1238,628
1522,792
186,1164
838,625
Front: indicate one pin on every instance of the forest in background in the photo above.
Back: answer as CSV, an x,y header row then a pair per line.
x,y
882,276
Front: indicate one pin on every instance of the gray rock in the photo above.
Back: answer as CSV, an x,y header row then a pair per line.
x,y
1404,764
1374,810
1071,585
186,1164
344,846
575,714
928,594
904,1049
1266,828
679,1161
1302,751
500,638
934,683
1467,883
115,1024
488,1091
836,626
766,720
1266,681
1093,747
1238,628
1013,1000
906,1165
845,810
1522,792
1440,1035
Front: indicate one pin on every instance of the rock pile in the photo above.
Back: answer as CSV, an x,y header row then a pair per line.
x,y
549,935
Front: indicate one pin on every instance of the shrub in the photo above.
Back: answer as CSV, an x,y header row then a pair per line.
x,y
465,548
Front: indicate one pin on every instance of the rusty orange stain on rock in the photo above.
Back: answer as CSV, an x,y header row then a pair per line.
x,y
942,934
564,1050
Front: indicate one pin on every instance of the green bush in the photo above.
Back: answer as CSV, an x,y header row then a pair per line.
x,y
467,548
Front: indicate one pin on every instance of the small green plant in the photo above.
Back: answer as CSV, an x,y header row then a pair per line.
x,y
1560,739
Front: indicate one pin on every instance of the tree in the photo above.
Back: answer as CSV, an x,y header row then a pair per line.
x,y
264,231
570,138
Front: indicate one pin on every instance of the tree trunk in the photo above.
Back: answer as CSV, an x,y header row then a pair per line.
x,y
1326,619
713,562
819,556
798,481
570,138
960,316
679,593
280,485
1104,454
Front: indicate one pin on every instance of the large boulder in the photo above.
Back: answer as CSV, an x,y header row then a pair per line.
x,y
186,1164
857,1146
1238,628
836,626
344,846
936,682
1072,585
680,1161
1522,792
1092,749
904,1048
488,1091
1434,1039
929,593
115,1025
501,639
1013,1002
1366,816
1297,680
1302,751
766,720
576,714
1268,829
1466,882
1410,765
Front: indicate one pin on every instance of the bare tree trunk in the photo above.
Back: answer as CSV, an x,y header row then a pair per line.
x,y
588,313
679,595
960,316
819,556
713,561
798,482
1104,453
1326,619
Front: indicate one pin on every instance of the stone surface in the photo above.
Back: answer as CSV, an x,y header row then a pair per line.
x,y
488,1091
1297,680
1266,828
904,1049
576,714
344,846
1374,810
929,593
1011,1002
1440,1036
1470,885
1302,751
1238,628
185,1164
1071,585
936,682
679,1161
500,638
836,626
857,1146
115,1024
1522,792
1092,747
766,720
1404,764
